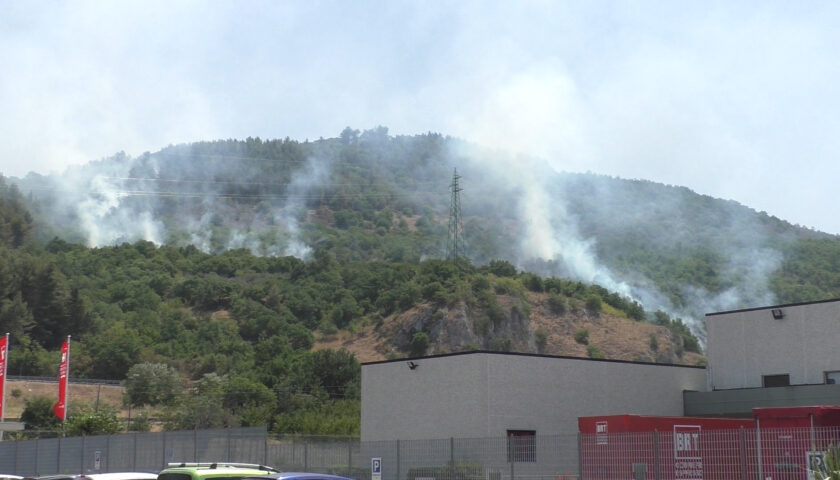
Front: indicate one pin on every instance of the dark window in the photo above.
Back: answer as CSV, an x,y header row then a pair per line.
x,y
776,380
832,377
522,446
174,476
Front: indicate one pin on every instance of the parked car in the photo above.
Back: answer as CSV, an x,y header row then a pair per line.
x,y
213,471
299,476
99,476
119,476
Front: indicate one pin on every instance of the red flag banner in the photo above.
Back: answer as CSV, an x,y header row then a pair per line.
x,y
60,408
4,355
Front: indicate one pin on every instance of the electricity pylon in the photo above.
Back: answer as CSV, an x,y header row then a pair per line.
x,y
455,243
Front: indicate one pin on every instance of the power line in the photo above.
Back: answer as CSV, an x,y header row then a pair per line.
x,y
258,196
223,182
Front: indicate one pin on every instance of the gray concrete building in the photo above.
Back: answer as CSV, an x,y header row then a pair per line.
x,y
490,394
782,355
774,346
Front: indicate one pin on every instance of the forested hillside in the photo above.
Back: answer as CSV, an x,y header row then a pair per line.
x,y
225,260
248,322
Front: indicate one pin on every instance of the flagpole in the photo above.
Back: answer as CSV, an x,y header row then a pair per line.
x,y
67,386
60,407
5,370
4,356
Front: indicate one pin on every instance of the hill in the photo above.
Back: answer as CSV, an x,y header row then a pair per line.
x,y
368,196
236,263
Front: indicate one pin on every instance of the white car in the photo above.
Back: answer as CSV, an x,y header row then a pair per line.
x,y
96,476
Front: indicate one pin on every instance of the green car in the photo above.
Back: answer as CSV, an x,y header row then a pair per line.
x,y
213,471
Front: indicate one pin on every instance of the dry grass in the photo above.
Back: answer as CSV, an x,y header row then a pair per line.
x,y
91,395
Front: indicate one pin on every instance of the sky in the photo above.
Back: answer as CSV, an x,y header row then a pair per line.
x,y
736,100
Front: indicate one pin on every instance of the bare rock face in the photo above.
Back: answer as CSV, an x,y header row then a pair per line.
x,y
517,325
449,328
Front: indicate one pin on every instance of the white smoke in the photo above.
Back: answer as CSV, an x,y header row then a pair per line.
x,y
550,234
97,200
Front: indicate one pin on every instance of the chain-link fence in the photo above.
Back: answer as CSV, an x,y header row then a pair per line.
x,y
684,453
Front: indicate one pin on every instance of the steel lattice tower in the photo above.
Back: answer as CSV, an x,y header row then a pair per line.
x,y
455,244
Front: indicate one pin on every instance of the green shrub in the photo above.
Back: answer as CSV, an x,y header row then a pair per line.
x,y
541,339
582,336
557,304
419,344
501,345
594,352
832,464
593,303
510,286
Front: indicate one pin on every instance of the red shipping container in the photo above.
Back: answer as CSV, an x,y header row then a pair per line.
x,y
682,448
791,438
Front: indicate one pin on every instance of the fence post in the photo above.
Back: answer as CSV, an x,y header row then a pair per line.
x,y
228,449
108,453
265,449
306,454
349,457
16,456
134,457
37,460
758,445
195,444
398,460
451,458
82,466
164,450
743,445
656,455
510,455
58,457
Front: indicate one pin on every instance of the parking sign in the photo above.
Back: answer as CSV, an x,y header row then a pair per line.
x,y
376,468
816,464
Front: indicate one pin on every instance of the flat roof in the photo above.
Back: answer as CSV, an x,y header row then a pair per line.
x,y
538,355
754,309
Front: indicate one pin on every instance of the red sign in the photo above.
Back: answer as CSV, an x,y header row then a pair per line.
x,y
60,408
4,355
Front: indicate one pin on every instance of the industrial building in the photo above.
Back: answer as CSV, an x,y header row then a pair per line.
x,y
759,358
777,356
489,394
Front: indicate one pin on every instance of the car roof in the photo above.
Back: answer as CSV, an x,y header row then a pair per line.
x,y
218,469
100,476
119,476
304,476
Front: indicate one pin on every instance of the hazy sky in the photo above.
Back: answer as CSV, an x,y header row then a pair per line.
x,y
734,100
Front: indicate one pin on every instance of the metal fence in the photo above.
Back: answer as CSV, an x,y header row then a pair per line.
x,y
685,453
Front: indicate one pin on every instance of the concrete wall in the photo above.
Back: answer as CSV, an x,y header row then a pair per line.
x,y
742,346
484,394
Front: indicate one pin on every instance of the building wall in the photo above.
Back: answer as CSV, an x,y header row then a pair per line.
x,y
743,346
482,394
740,402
